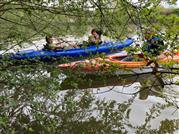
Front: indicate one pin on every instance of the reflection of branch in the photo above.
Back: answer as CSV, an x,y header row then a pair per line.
x,y
127,93
168,72
172,68
134,93
168,97
106,90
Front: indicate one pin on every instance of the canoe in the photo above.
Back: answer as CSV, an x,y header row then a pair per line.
x,y
135,63
46,55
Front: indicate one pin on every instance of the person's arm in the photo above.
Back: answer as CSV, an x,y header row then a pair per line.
x,y
59,46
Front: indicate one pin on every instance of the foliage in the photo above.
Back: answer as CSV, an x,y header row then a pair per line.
x,y
32,99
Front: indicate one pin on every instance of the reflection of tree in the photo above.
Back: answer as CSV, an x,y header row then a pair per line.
x,y
30,104
75,112
28,99
147,81
167,126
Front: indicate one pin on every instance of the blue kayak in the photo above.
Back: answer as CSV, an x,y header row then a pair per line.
x,y
46,55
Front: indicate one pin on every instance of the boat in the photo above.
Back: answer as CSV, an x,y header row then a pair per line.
x,y
122,64
46,55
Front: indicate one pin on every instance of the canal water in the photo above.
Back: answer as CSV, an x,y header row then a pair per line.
x,y
150,105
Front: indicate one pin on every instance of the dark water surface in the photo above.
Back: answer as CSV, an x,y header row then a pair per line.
x,y
43,100
148,104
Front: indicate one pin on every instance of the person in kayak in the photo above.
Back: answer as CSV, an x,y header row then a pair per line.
x,y
153,46
60,45
50,45
94,39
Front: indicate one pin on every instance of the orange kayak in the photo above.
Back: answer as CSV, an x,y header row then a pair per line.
x,y
120,62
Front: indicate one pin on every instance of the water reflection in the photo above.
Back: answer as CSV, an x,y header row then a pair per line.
x,y
147,81
32,101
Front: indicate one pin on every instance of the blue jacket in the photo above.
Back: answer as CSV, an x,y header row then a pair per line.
x,y
154,46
